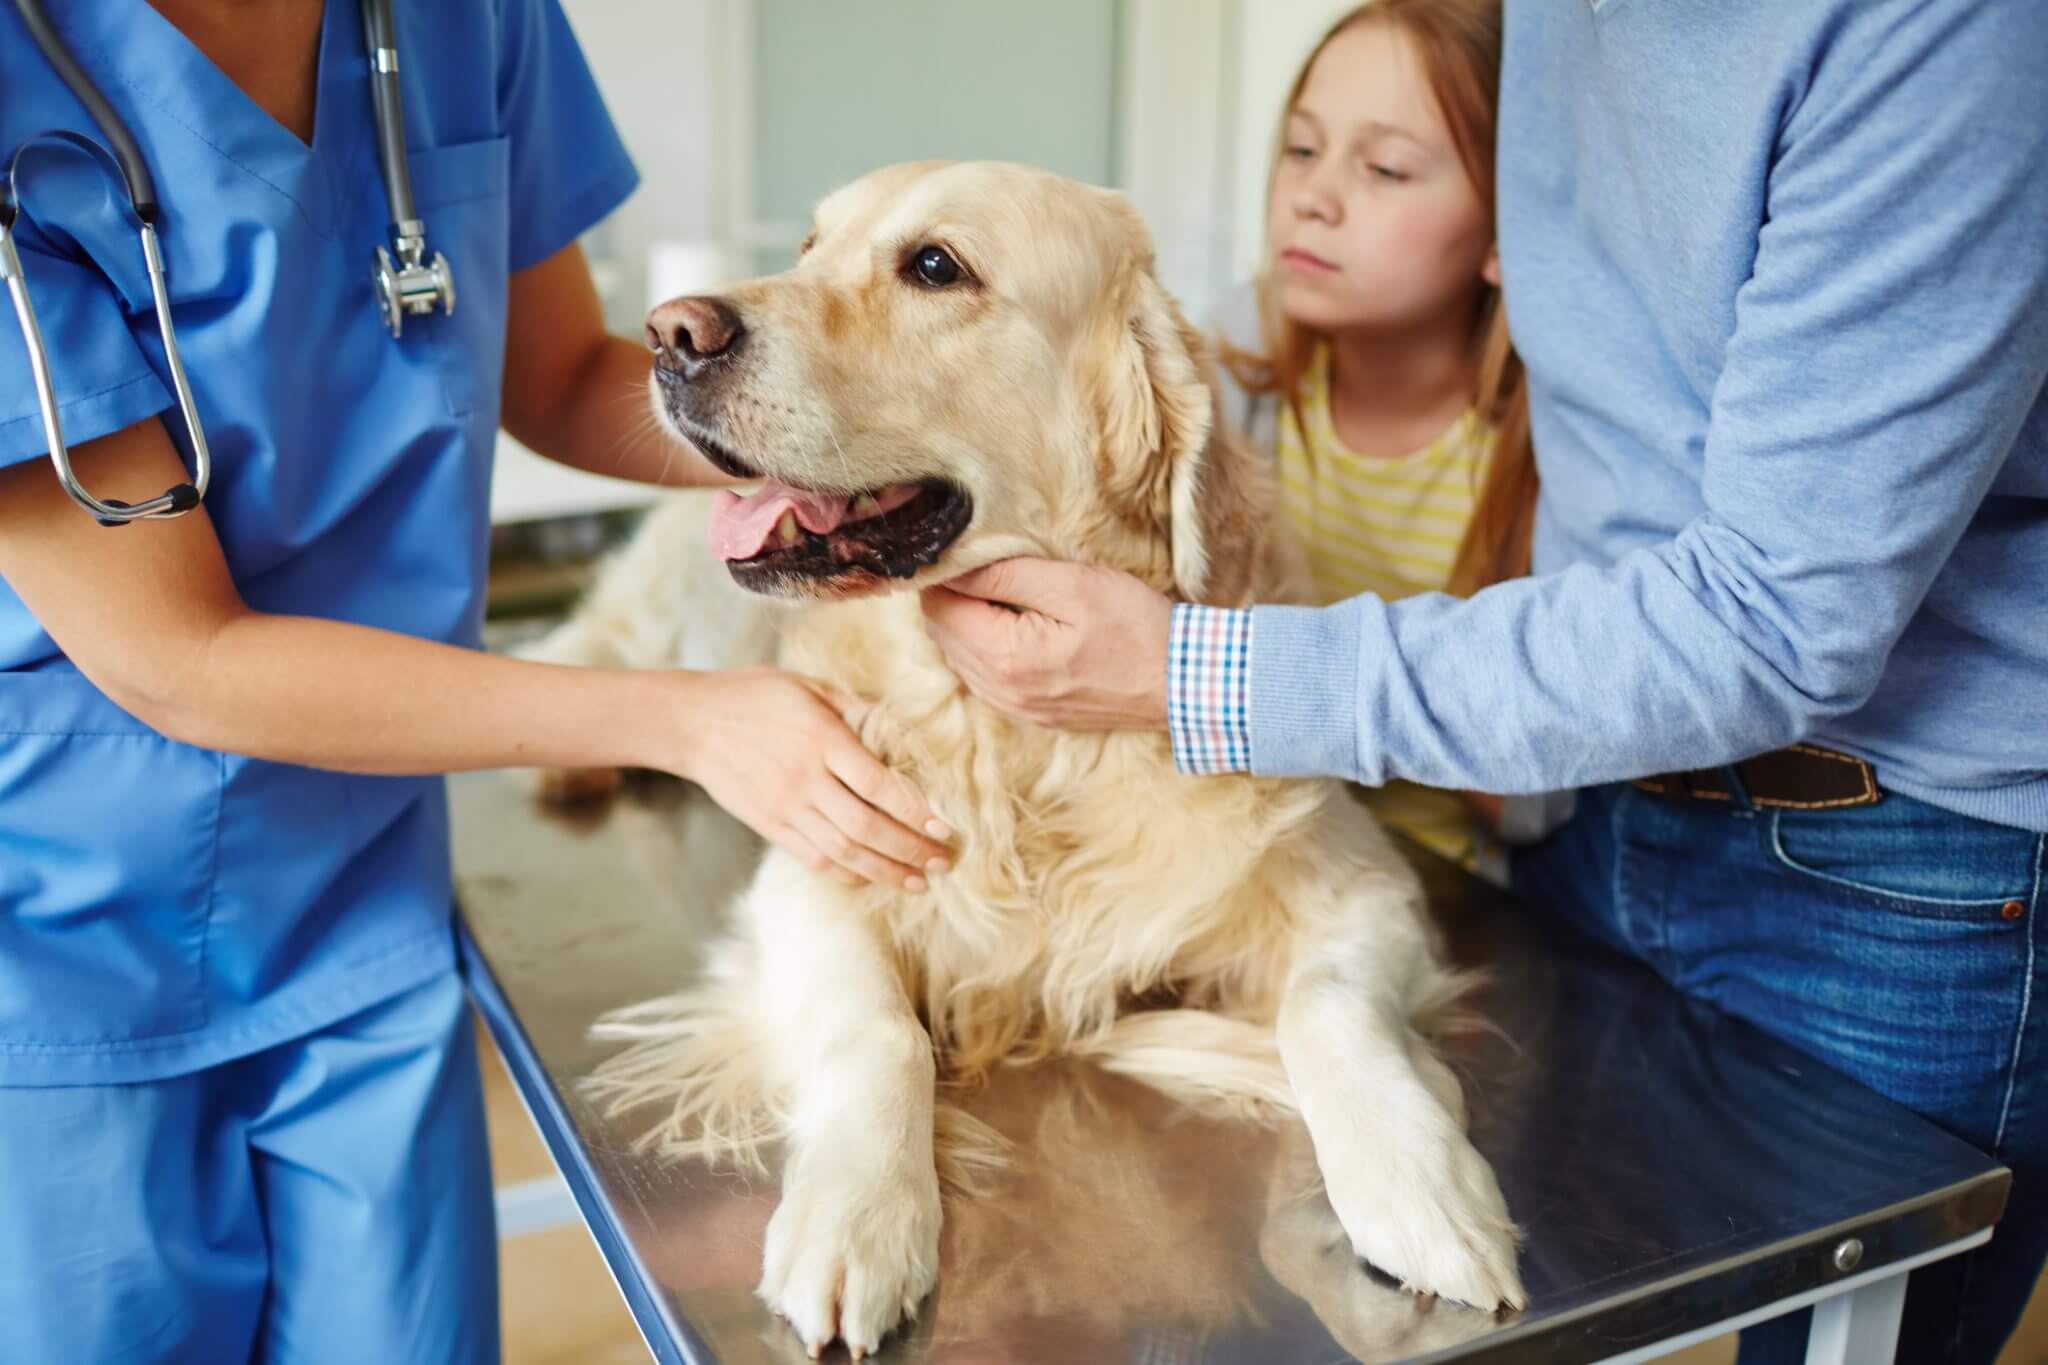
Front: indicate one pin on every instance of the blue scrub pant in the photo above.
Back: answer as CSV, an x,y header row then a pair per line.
x,y
326,1200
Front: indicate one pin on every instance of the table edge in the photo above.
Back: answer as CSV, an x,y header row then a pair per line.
x,y
670,1341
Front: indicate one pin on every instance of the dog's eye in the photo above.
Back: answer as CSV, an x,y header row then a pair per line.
x,y
935,266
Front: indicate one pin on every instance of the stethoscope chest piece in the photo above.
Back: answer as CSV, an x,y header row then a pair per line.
x,y
411,284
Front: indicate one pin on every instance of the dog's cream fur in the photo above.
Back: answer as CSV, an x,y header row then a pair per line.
x,y
1248,942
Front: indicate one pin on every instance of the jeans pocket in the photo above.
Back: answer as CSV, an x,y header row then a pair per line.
x,y
1907,855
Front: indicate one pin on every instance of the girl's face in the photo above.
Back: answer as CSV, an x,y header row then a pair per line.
x,y
1373,222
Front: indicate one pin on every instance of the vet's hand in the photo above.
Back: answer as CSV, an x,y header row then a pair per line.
x,y
775,749
1068,645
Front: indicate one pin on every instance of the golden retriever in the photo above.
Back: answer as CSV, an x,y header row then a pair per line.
x,y
972,361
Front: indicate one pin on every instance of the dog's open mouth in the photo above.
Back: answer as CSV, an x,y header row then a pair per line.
x,y
783,538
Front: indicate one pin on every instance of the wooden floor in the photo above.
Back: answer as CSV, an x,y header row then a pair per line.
x,y
560,1306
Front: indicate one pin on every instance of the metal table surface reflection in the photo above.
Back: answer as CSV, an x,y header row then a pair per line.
x,y
1672,1168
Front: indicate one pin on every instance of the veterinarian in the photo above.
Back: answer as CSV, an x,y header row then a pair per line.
x,y
1787,339
240,1113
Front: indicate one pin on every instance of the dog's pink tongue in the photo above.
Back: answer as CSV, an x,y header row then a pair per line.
x,y
741,527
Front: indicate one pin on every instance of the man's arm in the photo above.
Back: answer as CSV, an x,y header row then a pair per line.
x,y
1888,346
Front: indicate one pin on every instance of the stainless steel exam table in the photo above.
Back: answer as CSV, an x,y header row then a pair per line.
x,y
1676,1172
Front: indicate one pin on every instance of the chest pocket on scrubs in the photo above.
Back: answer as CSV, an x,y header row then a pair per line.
x,y
460,192
107,840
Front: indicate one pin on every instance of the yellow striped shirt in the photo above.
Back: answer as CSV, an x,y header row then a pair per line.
x,y
1389,526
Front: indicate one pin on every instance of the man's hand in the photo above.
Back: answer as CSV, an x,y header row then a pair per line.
x,y
1066,645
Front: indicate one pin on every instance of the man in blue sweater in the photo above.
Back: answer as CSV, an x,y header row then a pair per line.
x,y
1779,273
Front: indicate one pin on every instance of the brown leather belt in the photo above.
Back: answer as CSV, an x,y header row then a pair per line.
x,y
1802,777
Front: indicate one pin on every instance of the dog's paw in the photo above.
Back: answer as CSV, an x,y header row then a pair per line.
x,y
850,1255
1433,1217
1303,1246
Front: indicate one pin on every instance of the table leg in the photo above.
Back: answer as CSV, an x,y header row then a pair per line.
x,y
1860,1327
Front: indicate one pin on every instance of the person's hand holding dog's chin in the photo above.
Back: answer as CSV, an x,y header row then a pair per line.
x,y
1068,645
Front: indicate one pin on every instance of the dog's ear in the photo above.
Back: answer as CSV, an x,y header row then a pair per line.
x,y
1217,501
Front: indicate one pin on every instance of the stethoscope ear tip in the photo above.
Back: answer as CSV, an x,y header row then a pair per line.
x,y
177,501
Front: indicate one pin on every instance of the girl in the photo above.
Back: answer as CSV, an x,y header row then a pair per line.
x,y
1373,357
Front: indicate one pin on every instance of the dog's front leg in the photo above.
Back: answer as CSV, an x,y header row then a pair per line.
x,y
854,1246
1414,1196
1307,1251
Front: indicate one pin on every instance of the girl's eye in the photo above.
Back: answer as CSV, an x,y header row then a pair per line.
x,y
1296,151
1386,173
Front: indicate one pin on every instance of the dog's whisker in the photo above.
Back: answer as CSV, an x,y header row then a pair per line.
x,y
844,463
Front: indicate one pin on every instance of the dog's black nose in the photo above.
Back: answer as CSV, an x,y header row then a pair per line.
x,y
689,332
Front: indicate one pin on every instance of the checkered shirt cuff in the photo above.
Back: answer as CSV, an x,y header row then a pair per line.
x,y
1209,689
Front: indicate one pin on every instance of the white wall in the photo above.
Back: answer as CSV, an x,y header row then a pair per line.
x,y
1176,78
1273,38
660,66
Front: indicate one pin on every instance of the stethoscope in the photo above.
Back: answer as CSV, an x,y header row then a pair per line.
x,y
412,284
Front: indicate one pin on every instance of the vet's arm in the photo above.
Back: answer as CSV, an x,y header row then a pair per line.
x,y
149,613
576,393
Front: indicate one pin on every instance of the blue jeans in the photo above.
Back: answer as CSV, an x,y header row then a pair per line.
x,y
1896,942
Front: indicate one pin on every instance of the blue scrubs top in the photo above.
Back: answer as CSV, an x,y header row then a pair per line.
x,y
163,907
